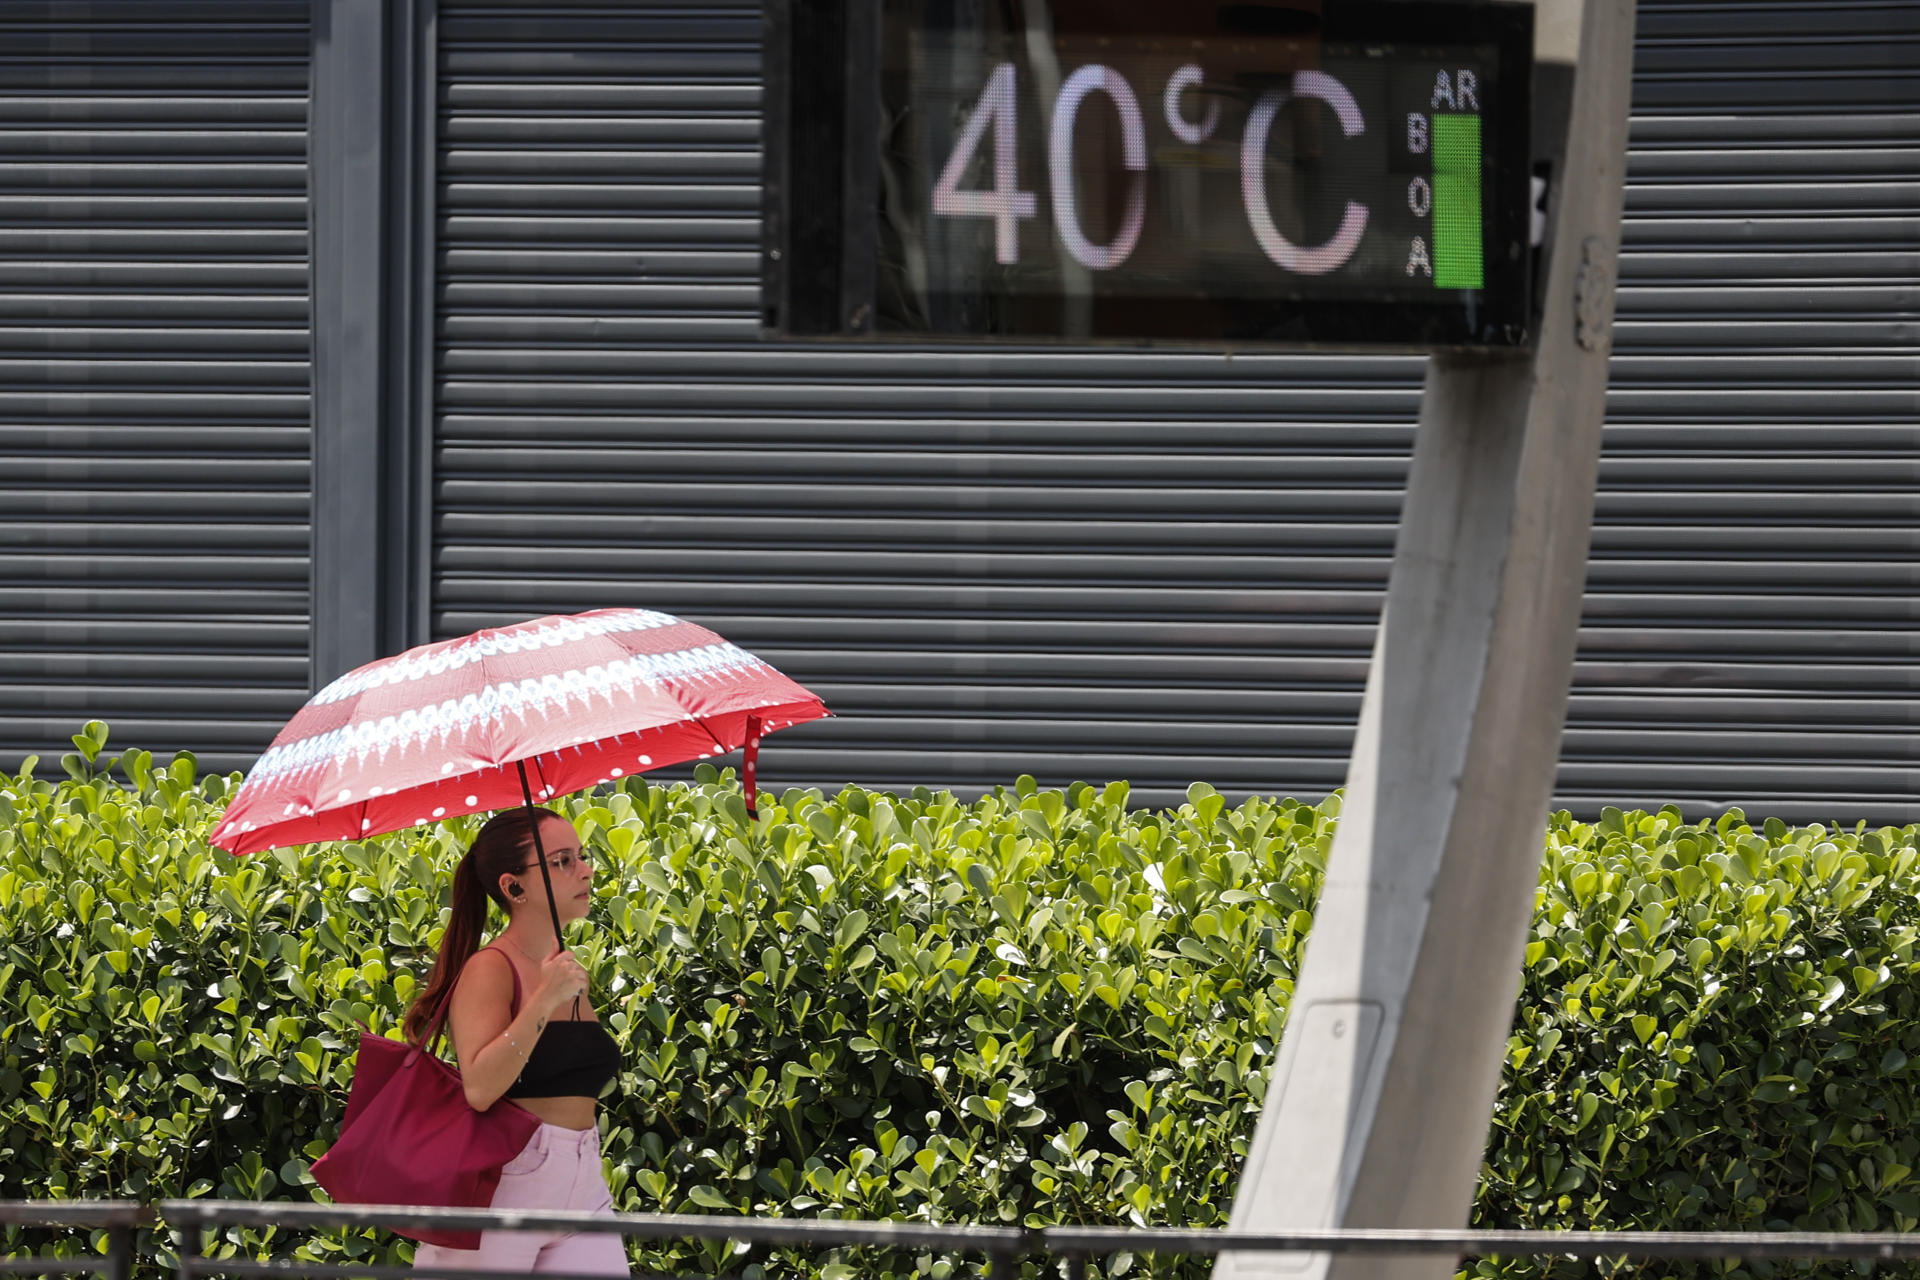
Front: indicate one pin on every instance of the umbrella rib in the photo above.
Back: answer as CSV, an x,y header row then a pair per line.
x,y
722,747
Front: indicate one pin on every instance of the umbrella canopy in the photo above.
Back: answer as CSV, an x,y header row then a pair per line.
x,y
447,728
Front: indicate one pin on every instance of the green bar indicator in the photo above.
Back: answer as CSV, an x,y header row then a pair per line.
x,y
1456,202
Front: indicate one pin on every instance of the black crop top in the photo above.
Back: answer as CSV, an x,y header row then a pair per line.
x,y
569,1060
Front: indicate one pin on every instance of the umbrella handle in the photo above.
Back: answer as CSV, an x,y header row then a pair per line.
x,y
546,878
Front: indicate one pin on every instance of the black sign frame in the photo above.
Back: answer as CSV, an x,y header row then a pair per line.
x,y
820,187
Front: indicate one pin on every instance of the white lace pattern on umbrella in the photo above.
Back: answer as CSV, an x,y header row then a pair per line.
x,y
404,670
546,696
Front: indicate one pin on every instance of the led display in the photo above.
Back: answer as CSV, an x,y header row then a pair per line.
x,y
1350,174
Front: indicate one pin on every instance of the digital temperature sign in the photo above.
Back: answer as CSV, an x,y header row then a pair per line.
x,y
1314,172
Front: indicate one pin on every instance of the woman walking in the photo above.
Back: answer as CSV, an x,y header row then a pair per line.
x,y
523,1030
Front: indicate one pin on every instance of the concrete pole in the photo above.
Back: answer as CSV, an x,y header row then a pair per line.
x,y
1378,1104
370,159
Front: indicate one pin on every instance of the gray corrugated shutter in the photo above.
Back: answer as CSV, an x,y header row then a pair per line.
x,y
153,373
1751,619
1168,566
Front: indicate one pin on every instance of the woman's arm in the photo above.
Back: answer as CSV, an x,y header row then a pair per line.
x,y
491,1047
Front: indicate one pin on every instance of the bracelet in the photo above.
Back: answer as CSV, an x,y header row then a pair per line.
x,y
515,1043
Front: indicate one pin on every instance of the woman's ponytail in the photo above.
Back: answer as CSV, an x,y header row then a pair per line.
x,y
504,846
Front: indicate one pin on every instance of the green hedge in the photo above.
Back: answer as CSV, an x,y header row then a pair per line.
x,y
1035,1007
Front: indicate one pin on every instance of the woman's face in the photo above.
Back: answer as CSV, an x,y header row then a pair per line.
x,y
572,877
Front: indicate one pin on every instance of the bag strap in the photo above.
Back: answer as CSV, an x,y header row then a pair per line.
x,y
437,1024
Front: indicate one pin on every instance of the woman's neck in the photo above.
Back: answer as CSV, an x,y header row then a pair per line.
x,y
532,940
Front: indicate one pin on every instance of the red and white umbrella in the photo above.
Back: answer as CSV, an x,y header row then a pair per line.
x,y
504,716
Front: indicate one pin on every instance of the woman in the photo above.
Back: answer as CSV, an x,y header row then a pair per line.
x,y
523,1030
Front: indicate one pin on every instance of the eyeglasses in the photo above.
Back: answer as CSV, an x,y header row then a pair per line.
x,y
564,863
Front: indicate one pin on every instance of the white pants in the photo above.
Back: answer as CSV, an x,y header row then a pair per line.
x,y
557,1169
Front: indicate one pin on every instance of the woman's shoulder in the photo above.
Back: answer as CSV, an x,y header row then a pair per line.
x,y
488,975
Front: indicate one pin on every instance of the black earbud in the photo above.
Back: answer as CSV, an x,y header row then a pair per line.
x,y
518,892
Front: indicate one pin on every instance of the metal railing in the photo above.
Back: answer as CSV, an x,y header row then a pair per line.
x,y
120,1219
1001,1247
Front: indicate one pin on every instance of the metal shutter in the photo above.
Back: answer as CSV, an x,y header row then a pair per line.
x,y
1751,618
153,373
1157,566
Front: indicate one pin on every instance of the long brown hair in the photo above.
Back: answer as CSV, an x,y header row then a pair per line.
x,y
503,847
